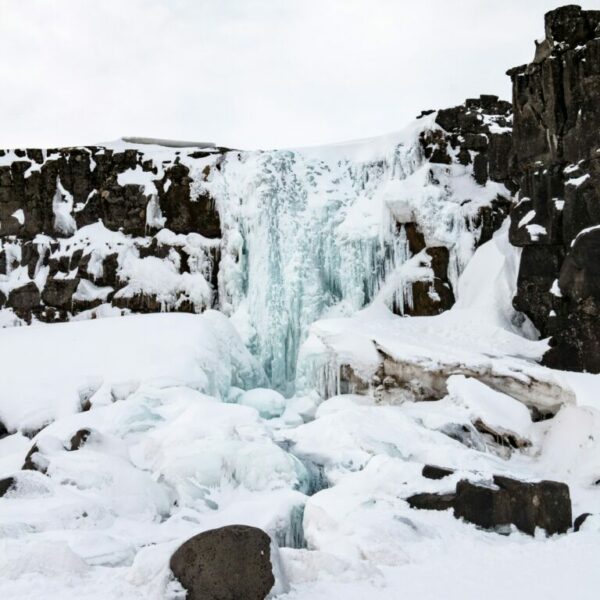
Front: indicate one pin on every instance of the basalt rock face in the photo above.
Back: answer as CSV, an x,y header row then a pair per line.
x,y
479,133
556,158
84,227
476,137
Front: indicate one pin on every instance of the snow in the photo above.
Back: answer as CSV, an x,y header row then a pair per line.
x,y
555,289
139,177
19,215
88,291
62,206
578,180
527,218
101,355
535,231
153,276
268,403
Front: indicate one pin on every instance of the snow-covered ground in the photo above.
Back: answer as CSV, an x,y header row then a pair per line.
x,y
182,432
175,446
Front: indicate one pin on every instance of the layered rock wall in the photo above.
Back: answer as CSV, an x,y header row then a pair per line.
x,y
81,227
556,159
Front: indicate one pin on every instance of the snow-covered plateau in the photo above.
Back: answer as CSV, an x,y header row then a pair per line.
x,y
343,346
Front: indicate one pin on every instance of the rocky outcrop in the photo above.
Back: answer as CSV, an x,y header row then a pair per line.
x,y
433,472
556,158
78,439
79,225
474,137
92,183
6,485
546,504
479,133
229,563
580,520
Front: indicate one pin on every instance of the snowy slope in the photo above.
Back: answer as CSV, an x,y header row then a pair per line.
x,y
175,447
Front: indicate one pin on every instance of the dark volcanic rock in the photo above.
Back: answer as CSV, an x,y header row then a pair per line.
x,y
230,563
431,501
580,520
475,134
25,298
59,292
433,472
546,504
34,461
6,485
79,439
480,129
556,138
87,184
184,213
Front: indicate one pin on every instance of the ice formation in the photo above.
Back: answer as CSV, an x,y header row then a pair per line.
x,y
316,232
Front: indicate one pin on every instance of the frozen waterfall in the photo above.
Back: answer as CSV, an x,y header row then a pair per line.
x,y
314,233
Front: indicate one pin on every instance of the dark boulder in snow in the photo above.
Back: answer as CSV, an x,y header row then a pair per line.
x,y
230,563
427,501
546,504
580,520
6,484
59,292
79,439
556,162
34,461
24,299
433,472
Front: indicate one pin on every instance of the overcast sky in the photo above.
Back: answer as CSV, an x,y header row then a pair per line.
x,y
249,73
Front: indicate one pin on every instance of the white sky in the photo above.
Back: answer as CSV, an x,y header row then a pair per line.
x,y
249,73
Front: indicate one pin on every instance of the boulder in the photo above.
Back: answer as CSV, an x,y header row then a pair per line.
x,y
546,504
6,484
433,472
579,521
506,501
35,461
59,292
229,563
427,501
25,298
79,439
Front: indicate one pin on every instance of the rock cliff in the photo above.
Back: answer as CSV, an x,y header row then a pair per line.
x,y
136,226
556,159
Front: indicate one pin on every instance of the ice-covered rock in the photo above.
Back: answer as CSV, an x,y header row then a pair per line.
x,y
269,403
